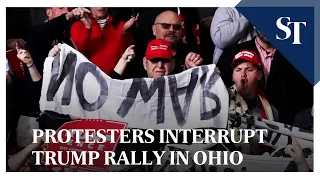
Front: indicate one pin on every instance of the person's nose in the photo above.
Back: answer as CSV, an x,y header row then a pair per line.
x,y
243,74
171,28
160,64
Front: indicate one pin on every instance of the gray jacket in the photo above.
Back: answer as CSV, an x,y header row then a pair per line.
x,y
229,27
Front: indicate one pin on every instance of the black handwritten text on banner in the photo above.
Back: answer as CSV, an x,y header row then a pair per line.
x,y
192,99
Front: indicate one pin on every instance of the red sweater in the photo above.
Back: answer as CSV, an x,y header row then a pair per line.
x,y
102,47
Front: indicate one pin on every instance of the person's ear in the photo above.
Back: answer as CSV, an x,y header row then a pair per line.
x,y
145,63
233,76
154,30
49,12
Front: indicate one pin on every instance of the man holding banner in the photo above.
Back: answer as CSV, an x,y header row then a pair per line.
x,y
245,95
284,86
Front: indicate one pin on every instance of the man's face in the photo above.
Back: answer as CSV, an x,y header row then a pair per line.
x,y
55,12
168,26
158,67
99,12
246,77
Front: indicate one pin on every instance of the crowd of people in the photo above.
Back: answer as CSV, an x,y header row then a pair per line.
x,y
260,80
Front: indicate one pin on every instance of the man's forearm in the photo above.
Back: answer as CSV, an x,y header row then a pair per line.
x,y
34,73
16,161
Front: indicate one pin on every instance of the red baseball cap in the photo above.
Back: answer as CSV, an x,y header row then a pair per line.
x,y
246,55
159,48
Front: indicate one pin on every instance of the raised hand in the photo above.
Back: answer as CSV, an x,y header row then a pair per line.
x,y
128,54
24,56
81,14
55,50
129,24
126,57
193,60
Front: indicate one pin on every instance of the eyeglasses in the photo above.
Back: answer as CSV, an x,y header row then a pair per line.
x,y
176,27
156,60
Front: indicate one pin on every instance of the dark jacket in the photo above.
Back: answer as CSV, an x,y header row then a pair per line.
x,y
304,120
287,89
39,43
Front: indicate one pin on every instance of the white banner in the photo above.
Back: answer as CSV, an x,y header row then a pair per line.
x,y
278,135
195,98
250,163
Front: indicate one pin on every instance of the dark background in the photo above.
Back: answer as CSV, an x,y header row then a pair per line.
x,y
19,21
